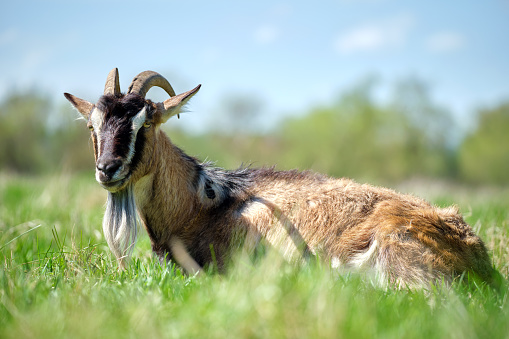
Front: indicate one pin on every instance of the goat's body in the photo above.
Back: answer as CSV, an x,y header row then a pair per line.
x,y
198,214
401,238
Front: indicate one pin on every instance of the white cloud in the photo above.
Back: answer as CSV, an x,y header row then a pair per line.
x,y
445,42
266,34
375,36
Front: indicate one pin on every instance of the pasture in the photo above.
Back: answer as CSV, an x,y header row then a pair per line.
x,y
58,279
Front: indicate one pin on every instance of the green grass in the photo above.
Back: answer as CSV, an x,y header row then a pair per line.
x,y
58,279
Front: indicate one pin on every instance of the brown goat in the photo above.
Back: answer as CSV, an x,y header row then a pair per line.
x,y
197,214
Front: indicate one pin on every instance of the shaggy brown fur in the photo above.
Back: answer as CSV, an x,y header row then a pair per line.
x,y
198,214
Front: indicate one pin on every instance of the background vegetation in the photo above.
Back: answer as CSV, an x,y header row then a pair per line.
x,y
357,136
58,278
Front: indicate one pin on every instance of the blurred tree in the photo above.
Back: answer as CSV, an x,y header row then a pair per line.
x,y
484,154
238,113
429,130
23,142
69,139
35,138
361,138
357,137
411,97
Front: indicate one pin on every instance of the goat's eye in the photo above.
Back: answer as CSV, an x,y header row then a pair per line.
x,y
146,124
91,128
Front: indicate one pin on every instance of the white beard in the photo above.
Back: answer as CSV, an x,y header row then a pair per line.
x,y
120,223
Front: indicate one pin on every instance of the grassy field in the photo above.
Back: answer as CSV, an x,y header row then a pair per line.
x,y
58,279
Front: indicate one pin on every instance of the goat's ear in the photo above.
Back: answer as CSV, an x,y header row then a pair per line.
x,y
174,105
83,106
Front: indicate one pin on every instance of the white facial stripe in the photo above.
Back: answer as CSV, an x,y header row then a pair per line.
x,y
97,119
138,121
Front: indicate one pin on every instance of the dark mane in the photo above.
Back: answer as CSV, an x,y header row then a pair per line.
x,y
215,185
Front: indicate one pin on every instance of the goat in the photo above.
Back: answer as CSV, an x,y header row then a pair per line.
x,y
198,214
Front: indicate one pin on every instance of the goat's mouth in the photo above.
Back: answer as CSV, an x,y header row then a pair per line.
x,y
116,184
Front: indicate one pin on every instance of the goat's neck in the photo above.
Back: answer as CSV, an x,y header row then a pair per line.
x,y
167,189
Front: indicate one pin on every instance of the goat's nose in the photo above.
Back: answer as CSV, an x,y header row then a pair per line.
x,y
109,166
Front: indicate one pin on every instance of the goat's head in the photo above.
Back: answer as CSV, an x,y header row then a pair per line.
x,y
124,126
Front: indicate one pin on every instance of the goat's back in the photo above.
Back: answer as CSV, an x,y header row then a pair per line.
x,y
402,239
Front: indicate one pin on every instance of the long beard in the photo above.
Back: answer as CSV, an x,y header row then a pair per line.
x,y
120,223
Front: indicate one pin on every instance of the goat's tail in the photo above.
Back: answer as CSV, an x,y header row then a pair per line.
x,y
410,246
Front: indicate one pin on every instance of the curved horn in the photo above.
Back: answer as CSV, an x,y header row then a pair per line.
x,y
145,80
112,86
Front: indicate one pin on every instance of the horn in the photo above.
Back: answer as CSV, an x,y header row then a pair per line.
x,y
112,86
145,80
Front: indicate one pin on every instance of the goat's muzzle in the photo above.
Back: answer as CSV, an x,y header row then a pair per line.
x,y
110,172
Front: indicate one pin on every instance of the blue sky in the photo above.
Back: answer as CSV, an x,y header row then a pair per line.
x,y
292,55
